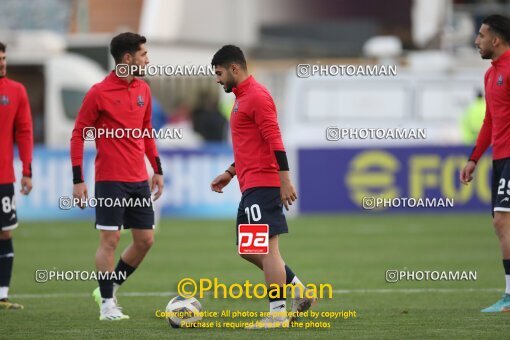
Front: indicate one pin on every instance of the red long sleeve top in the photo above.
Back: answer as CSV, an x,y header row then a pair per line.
x,y
15,125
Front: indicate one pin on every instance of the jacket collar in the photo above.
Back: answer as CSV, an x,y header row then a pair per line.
x,y
113,78
241,88
503,59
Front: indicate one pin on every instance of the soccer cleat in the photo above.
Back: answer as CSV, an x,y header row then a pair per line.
x,y
6,304
273,321
300,304
96,294
111,312
503,305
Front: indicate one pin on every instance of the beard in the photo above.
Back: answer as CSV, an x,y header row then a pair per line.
x,y
229,84
228,87
486,54
139,72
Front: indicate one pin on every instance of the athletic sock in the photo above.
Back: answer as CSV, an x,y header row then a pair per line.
x,y
291,278
6,261
289,275
122,271
277,304
4,293
106,287
107,302
116,287
506,265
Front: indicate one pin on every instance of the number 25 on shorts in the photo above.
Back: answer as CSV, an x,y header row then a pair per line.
x,y
253,238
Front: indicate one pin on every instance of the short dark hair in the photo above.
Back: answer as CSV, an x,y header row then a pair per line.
x,y
500,25
228,55
2,47
125,43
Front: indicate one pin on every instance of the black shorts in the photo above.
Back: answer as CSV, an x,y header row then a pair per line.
x,y
8,215
136,209
262,205
501,185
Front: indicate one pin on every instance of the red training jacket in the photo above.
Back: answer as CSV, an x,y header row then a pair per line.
x,y
255,136
115,104
496,125
15,124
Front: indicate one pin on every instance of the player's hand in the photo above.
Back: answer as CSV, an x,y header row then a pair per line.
x,y
80,192
26,185
157,181
466,174
287,191
220,182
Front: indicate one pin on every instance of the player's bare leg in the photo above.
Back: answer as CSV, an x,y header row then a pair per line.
x,y
130,259
132,256
105,262
255,259
300,302
6,262
142,243
274,273
105,255
501,224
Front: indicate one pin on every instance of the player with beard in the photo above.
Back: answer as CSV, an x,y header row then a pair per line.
x,y
15,125
119,102
263,173
493,42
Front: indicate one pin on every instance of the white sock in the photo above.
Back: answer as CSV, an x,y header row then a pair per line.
x,y
278,306
107,302
507,290
116,287
4,291
299,292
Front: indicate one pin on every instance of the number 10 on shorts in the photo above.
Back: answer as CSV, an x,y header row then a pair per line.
x,y
253,238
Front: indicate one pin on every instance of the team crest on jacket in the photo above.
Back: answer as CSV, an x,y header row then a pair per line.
x,y
236,107
500,80
4,100
139,101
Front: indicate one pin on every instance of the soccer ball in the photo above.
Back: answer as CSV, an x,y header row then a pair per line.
x,y
183,312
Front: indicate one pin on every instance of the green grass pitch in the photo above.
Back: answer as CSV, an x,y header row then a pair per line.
x,y
351,252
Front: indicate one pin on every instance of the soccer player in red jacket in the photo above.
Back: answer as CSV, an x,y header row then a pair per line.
x,y
15,124
493,42
263,172
119,103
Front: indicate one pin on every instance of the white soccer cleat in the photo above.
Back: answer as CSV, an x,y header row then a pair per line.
x,y
299,305
273,321
111,312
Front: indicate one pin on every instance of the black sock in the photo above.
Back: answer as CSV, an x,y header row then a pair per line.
x,y
289,275
6,260
106,287
506,265
124,269
273,292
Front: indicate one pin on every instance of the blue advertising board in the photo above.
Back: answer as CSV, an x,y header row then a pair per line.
x,y
339,180
187,193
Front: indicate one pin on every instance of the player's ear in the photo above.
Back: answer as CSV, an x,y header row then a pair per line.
x,y
234,68
127,58
496,40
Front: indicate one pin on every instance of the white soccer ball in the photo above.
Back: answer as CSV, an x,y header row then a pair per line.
x,y
182,312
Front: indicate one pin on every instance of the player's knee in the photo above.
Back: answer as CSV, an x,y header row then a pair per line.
x,y
5,235
501,223
110,241
144,243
